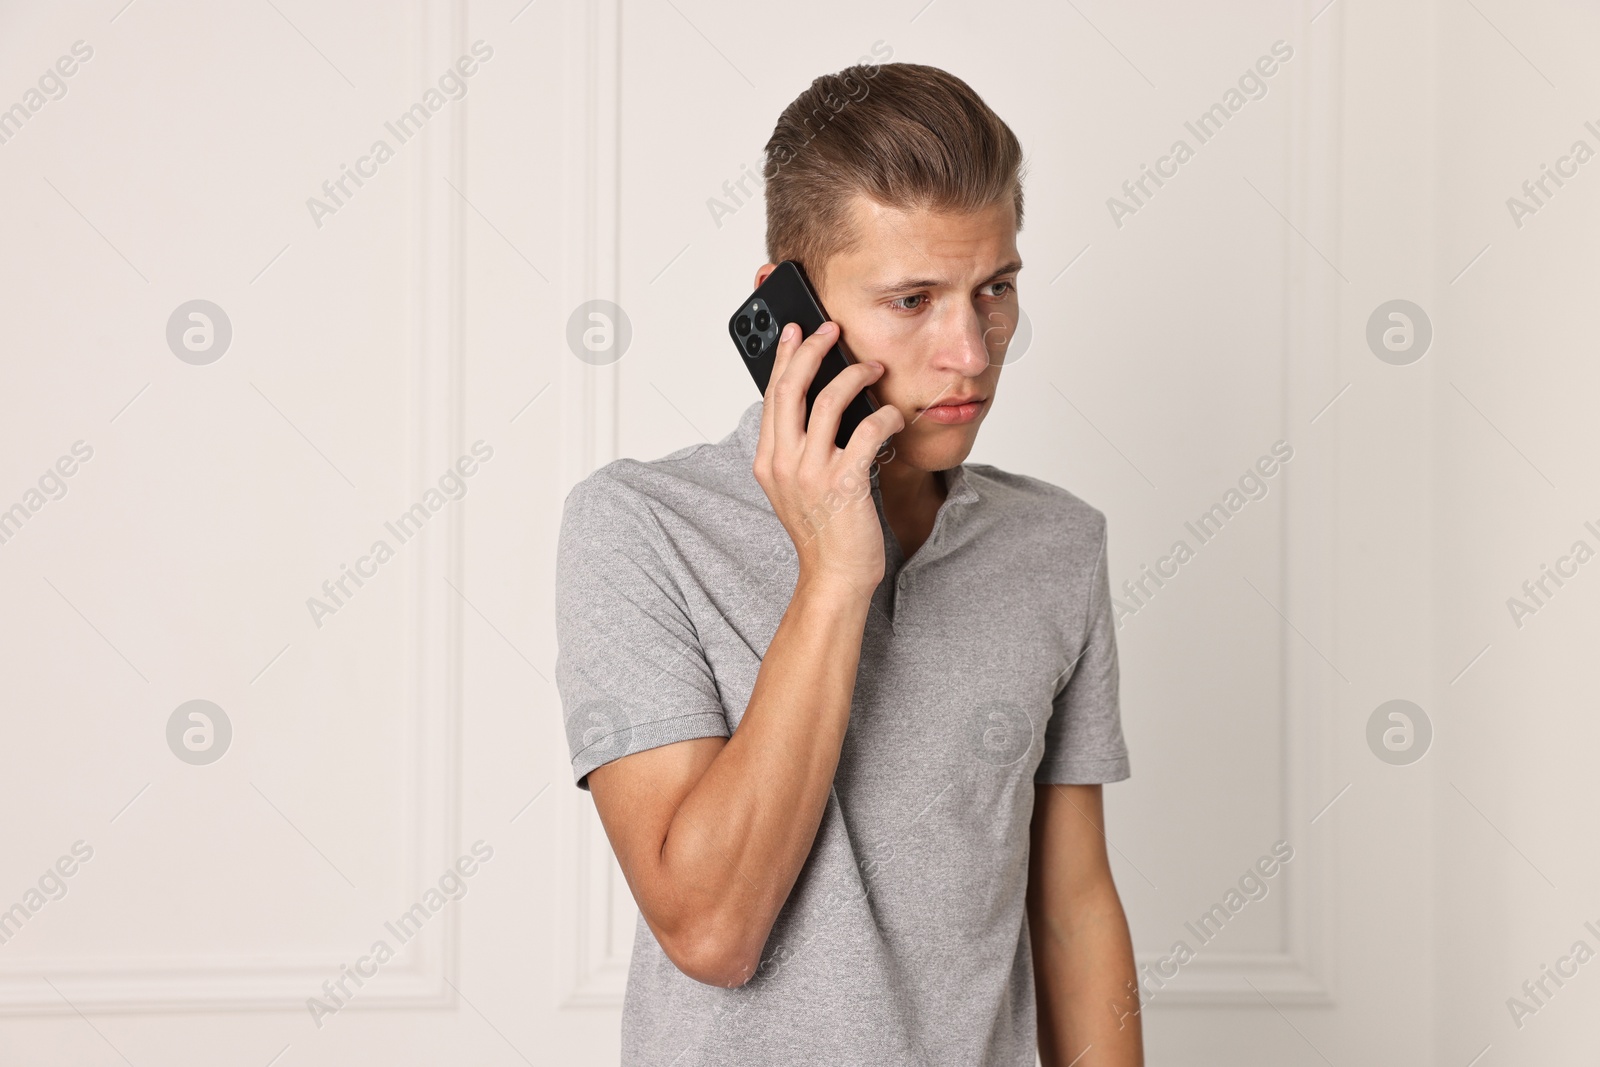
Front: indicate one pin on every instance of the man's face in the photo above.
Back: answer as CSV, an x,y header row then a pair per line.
x,y
933,297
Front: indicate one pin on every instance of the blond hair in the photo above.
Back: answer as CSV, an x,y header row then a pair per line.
x,y
902,134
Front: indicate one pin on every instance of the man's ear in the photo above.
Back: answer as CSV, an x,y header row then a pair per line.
x,y
761,273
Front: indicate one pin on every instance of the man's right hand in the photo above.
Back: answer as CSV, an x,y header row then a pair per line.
x,y
821,493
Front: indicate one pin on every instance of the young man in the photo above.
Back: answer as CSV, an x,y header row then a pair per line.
x,y
845,722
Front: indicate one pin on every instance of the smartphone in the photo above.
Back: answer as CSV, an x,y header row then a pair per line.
x,y
786,296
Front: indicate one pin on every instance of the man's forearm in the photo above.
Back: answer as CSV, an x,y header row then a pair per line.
x,y
1085,982
741,835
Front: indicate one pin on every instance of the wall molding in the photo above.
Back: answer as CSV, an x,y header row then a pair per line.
x,y
267,980
1301,972
599,941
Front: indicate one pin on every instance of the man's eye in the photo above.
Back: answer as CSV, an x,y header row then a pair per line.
x,y
1006,290
896,301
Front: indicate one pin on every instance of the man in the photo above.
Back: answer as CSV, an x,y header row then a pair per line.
x,y
845,722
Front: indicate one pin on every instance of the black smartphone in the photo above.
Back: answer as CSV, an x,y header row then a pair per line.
x,y
786,296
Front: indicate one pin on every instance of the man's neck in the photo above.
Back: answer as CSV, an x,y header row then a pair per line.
x,y
911,500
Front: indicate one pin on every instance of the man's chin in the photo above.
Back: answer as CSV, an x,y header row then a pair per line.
x,y
940,450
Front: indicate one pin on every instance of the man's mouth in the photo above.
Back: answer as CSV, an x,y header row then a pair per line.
x,y
954,410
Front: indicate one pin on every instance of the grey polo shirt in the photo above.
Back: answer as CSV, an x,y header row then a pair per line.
x,y
988,664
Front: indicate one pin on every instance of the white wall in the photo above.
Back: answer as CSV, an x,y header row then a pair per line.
x,y
373,346
1515,796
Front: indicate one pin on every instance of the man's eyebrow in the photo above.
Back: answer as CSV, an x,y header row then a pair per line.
x,y
934,283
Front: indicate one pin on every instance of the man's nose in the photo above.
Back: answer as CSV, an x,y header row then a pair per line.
x,y
963,348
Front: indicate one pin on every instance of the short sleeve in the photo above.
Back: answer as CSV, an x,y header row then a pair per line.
x,y
629,667
1083,743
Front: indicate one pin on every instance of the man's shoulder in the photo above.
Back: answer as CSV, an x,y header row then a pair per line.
x,y
691,484
1038,505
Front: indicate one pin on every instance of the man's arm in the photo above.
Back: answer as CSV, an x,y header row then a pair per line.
x,y
1084,977
711,833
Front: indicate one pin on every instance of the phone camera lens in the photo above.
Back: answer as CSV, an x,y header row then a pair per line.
x,y
763,321
752,344
742,324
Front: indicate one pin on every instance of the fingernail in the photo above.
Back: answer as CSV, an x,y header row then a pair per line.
x,y
788,332
874,364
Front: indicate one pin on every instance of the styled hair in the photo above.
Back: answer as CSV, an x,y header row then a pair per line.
x,y
905,135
